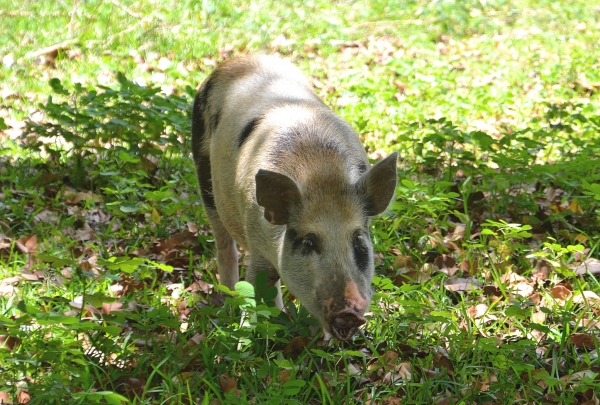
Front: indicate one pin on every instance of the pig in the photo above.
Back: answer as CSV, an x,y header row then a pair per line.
x,y
287,179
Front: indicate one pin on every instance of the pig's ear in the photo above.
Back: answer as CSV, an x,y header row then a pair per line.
x,y
377,185
277,193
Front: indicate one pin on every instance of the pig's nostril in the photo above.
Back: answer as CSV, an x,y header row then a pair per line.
x,y
346,320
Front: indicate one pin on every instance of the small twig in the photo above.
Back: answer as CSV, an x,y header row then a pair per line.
x,y
112,37
387,24
20,13
126,9
72,21
50,49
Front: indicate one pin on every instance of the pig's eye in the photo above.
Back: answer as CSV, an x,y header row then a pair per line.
x,y
360,251
310,244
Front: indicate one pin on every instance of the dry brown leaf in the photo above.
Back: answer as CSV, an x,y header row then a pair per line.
x,y
200,286
441,361
27,244
7,290
578,376
429,373
227,383
477,311
130,386
522,289
446,264
296,346
46,178
470,267
284,376
67,272
353,370
560,292
389,359
29,276
436,239
76,198
590,398
491,290
4,398
196,339
192,348
85,235
174,242
107,308
458,284
411,277
6,231
538,317
538,376
192,227
11,280
46,217
458,234
392,401
185,377
589,265
88,308
390,378
401,262
183,310
23,397
583,339
511,278
586,296
491,378
542,270
404,370
536,298
590,323
9,342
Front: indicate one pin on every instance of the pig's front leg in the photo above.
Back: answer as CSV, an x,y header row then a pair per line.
x,y
227,255
259,263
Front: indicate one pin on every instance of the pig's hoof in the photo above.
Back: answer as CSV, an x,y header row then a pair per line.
x,y
345,324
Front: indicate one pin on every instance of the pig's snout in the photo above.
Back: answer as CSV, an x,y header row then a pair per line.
x,y
344,324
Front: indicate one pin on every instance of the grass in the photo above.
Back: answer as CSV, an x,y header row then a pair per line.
x,y
107,287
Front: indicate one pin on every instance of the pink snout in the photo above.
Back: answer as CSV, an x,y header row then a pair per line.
x,y
345,323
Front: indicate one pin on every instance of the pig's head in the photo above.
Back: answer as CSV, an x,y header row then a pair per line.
x,y
327,255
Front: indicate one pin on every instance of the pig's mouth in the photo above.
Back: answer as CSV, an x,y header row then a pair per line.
x,y
343,333
344,324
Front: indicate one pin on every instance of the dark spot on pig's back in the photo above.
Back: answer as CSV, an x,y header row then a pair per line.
x,y
199,133
247,130
202,98
214,119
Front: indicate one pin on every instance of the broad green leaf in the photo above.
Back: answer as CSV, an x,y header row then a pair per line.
x,y
56,262
245,289
129,208
293,387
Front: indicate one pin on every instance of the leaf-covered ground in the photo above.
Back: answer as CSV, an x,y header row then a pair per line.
x,y
487,287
